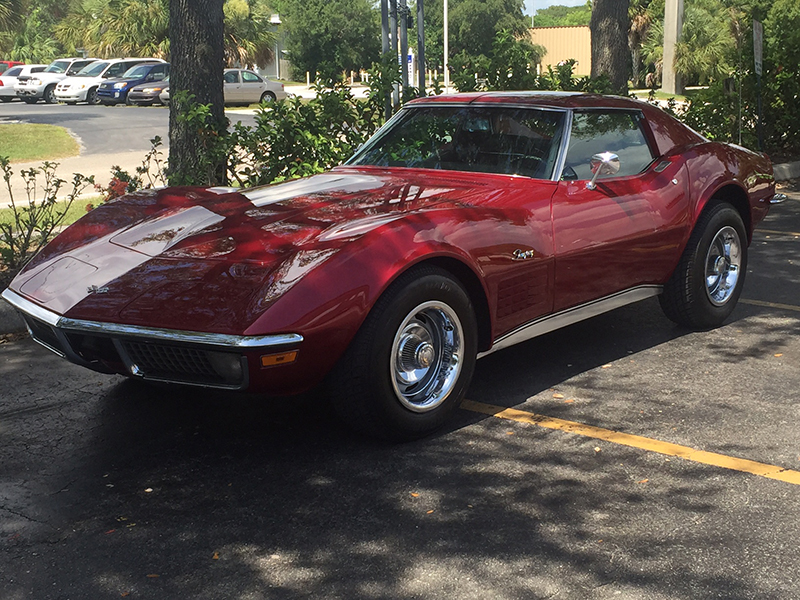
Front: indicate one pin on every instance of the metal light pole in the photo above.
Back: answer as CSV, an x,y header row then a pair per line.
x,y
393,30
446,51
421,47
276,21
387,103
403,16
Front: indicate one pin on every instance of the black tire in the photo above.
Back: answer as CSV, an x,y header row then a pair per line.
x,y
5,99
267,97
49,95
412,328
30,100
92,97
708,280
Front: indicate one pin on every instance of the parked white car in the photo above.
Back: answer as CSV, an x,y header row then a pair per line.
x,y
82,87
42,86
9,79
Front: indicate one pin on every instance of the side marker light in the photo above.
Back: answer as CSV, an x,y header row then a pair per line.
x,y
282,358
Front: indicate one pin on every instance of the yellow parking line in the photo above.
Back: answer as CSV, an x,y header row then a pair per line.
x,y
636,441
776,232
770,304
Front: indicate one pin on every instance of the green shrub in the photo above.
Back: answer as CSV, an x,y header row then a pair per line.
x,y
34,221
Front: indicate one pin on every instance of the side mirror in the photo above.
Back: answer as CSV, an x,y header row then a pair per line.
x,y
605,163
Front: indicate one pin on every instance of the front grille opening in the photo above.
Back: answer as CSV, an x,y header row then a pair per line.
x,y
94,348
184,364
44,334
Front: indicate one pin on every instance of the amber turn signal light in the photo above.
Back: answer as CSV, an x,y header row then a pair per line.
x,y
282,358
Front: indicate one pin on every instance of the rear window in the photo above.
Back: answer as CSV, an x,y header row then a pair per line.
x,y
13,72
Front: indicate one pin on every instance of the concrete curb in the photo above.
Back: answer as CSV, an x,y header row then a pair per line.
x,y
11,322
786,171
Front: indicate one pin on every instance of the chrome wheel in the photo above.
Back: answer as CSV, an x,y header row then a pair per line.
x,y
723,262
427,354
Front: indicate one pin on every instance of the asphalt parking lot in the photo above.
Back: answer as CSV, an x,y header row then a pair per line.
x,y
623,457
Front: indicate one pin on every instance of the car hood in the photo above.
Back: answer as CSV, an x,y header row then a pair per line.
x,y
150,84
74,80
152,258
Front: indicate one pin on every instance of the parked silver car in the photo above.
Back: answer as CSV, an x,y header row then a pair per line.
x,y
243,86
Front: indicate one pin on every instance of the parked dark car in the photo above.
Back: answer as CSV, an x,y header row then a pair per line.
x,y
468,224
147,94
115,91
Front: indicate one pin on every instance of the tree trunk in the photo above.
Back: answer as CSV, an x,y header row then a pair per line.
x,y
610,54
196,64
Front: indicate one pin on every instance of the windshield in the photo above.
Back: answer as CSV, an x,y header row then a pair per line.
x,y
93,70
59,66
512,141
137,72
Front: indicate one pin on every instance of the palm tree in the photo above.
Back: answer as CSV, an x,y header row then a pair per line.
x,y
249,38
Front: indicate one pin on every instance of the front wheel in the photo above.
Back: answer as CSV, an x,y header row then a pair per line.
x,y
708,280
92,97
410,363
49,95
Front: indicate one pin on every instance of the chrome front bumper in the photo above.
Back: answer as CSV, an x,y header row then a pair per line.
x,y
170,355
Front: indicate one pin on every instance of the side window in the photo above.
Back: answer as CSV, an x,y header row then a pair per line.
x,y
231,77
249,77
77,66
116,70
37,69
594,132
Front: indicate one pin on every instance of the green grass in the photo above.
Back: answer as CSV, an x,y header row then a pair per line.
x,y
644,94
75,212
25,142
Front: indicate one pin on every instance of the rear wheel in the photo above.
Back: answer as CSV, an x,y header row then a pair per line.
x,y
267,97
30,100
49,95
6,98
708,281
410,364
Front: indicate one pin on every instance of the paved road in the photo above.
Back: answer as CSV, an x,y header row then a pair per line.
x,y
112,489
118,135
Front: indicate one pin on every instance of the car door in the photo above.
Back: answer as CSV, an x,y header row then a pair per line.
x,y
232,87
617,236
252,87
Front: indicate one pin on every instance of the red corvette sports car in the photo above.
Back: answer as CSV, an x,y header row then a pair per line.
x,y
465,225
